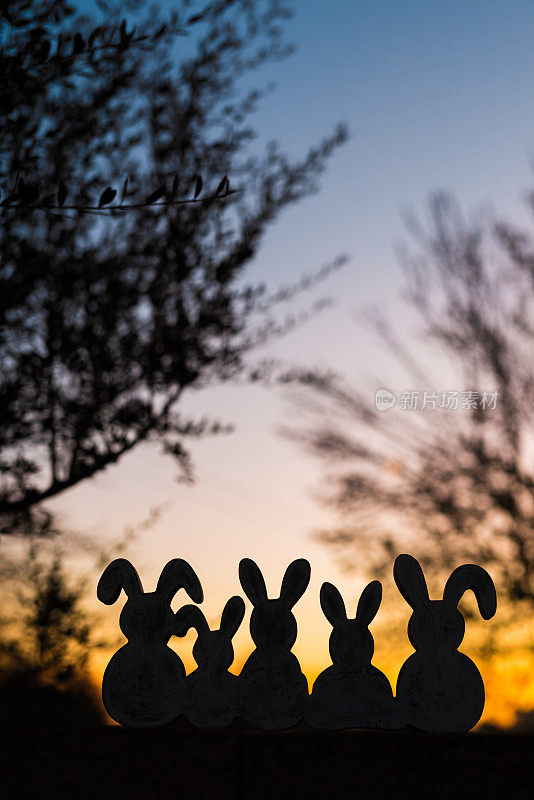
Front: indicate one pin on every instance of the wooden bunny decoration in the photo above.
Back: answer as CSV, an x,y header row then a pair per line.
x,y
438,688
275,691
144,683
352,693
213,692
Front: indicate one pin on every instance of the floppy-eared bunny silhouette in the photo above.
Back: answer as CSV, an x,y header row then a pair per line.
x,y
352,693
438,688
144,683
213,696
274,688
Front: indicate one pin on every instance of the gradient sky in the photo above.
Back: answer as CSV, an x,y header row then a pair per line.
x,y
436,95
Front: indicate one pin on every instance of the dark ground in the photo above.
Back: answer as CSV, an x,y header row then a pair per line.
x,y
238,764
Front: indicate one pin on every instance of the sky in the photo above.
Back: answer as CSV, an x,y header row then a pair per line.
x,y
436,96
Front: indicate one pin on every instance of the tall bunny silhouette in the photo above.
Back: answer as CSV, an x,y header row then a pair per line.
x,y
144,683
274,688
438,688
352,693
212,691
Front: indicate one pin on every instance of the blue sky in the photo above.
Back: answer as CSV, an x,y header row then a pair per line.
x,y
436,95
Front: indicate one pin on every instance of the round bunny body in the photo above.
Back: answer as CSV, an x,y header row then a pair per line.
x,y
345,698
438,688
274,691
144,683
214,693
445,694
351,693
214,700
144,687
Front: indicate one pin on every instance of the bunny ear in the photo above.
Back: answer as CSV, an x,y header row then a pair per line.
x,y
410,580
471,576
118,575
190,617
178,574
369,602
332,604
232,616
252,581
296,580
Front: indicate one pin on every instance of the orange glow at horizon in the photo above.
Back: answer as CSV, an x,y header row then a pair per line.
x,y
508,679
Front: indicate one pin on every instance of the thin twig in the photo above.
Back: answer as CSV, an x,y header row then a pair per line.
x,y
105,210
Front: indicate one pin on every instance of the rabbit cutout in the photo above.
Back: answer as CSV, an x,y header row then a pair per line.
x,y
274,689
352,693
144,683
438,688
212,691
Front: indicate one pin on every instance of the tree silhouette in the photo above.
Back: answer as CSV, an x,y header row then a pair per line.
x,y
448,484
49,629
55,641
131,206
44,660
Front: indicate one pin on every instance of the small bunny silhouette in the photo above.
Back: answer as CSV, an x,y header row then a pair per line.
x,y
144,683
274,688
352,693
212,692
438,688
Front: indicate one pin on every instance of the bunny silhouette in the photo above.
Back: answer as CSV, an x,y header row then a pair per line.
x,y
274,688
352,693
212,691
438,688
144,683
